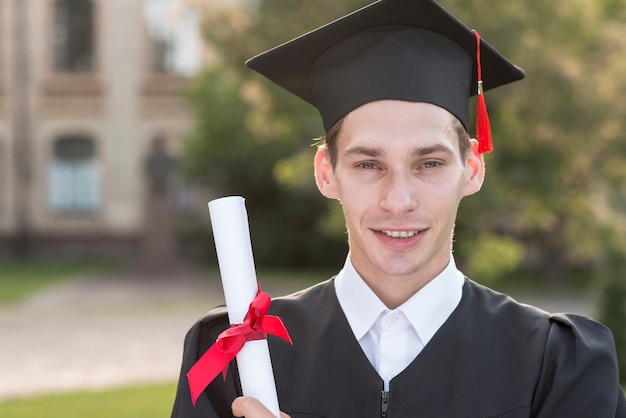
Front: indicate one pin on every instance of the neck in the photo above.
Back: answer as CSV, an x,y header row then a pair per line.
x,y
394,290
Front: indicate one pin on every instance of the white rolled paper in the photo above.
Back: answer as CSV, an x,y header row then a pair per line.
x,y
231,232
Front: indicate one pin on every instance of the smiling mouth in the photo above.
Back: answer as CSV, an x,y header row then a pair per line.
x,y
400,234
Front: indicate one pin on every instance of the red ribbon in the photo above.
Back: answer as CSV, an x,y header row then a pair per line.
x,y
256,325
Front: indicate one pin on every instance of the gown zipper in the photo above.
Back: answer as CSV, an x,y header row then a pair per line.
x,y
384,398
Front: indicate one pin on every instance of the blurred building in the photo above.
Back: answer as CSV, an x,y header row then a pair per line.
x,y
87,88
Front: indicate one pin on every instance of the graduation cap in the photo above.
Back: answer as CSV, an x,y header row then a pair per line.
x,y
411,50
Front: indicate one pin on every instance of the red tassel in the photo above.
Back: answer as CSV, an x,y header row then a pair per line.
x,y
483,127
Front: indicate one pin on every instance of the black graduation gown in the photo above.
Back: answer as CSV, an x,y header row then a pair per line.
x,y
493,357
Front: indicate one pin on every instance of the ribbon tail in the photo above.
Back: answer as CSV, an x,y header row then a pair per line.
x,y
212,362
274,325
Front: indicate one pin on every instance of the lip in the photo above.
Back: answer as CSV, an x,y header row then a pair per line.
x,y
399,243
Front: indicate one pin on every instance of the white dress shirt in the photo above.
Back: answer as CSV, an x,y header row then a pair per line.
x,y
391,339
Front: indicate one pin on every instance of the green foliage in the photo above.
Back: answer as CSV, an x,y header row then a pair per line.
x,y
129,402
255,140
613,315
240,149
556,176
613,296
494,257
554,182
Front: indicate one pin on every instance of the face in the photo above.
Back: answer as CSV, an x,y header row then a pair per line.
x,y
400,178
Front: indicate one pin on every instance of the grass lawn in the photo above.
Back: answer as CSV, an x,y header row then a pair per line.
x,y
20,278
149,401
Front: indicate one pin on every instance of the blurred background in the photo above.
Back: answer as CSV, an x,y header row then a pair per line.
x,y
120,119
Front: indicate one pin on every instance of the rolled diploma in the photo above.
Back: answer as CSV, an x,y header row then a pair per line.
x,y
231,232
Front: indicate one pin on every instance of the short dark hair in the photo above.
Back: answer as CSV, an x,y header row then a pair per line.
x,y
465,142
330,139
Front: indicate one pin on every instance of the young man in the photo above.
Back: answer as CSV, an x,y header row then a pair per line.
x,y
400,332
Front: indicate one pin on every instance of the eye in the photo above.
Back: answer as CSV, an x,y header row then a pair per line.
x,y
431,164
367,165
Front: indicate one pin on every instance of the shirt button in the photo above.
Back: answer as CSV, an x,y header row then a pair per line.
x,y
391,320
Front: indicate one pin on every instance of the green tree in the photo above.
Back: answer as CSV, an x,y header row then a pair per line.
x,y
613,298
555,182
558,135
255,140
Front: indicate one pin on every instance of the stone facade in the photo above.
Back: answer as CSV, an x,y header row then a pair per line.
x,y
85,88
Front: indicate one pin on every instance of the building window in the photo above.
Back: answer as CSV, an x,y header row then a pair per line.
x,y
73,36
74,180
174,36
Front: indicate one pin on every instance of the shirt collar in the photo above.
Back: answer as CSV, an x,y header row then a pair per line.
x,y
426,310
359,303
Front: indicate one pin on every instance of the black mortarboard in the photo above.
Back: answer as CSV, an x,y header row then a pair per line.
x,y
412,50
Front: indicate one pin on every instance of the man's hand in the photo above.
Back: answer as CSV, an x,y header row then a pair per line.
x,y
252,408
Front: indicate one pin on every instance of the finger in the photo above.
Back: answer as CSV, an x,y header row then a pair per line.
x,y
244,406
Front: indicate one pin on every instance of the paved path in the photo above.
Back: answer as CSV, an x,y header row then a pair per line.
x,y
100,332
108,331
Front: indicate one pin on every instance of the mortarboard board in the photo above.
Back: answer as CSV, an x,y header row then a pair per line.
x,y
412,50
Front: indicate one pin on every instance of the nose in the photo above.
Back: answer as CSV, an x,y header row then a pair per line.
x,y
398,194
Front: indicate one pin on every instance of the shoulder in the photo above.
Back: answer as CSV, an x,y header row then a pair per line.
x,y
574,356
205,331
581,327
551,336
560,330
578,340
579,368
499,309
558,326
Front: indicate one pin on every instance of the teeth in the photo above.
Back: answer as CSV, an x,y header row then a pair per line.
x,y
400,234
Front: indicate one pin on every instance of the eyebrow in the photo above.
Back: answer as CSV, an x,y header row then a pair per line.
x,y
373,152
376,152
433,149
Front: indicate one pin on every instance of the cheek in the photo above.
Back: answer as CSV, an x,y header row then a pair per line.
x,y
356,187
355,201
352,202
444,199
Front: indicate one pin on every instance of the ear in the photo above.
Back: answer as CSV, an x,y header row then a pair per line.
x,y
475,166
325,174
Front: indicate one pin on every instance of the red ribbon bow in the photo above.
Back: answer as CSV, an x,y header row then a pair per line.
x,y
256,325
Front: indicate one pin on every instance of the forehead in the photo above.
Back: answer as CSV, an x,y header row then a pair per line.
x,y
398,124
